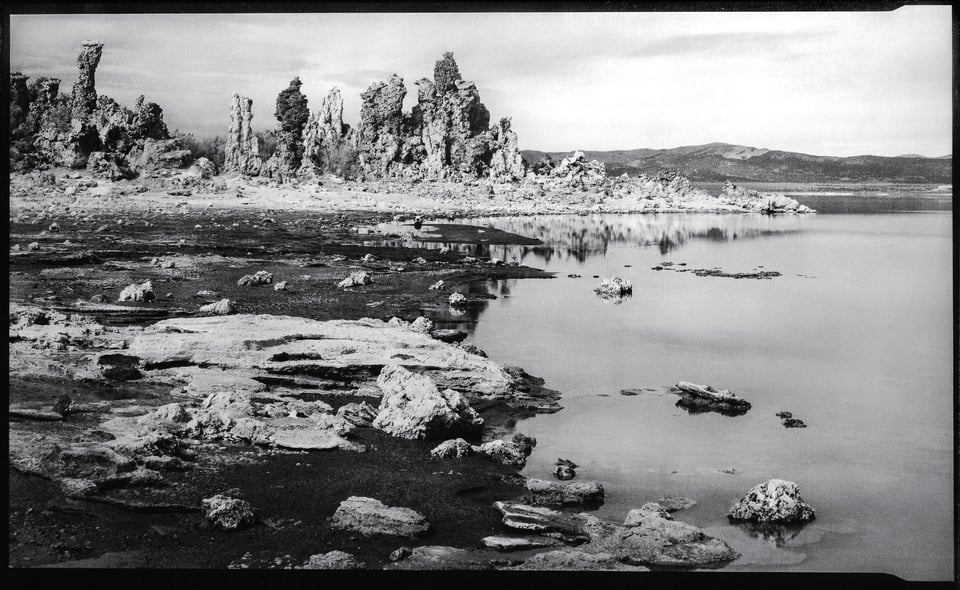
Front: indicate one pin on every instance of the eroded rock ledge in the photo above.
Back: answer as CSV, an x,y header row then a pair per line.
x,y
239,379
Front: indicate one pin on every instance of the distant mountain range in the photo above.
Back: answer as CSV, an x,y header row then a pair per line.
x,y
723,161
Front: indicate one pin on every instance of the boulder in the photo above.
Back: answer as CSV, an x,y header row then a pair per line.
x,y
222,307
452,449
457,299
569,528
555,493
332,560
261,277
358,414
501,451
422,325
776,501
368,516
228,513
355,279
413,407
615,287
658,540
141,292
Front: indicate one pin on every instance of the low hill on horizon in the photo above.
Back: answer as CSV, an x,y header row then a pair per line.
x,y
714,162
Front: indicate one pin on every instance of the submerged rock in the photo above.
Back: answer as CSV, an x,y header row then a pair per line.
x,y
228,513
368,516
413,407
675,503
776,501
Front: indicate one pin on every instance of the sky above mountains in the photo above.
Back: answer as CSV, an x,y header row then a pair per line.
x,y
826,83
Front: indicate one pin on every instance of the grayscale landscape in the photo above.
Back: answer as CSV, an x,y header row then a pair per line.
x,y
289,292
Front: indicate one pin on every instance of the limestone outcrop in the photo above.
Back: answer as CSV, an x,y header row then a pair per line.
x,y
84,130
242,146
381,126
769,203
446,135
328,143
368,516
292,114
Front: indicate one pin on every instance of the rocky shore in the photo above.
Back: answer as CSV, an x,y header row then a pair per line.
x,y
232,368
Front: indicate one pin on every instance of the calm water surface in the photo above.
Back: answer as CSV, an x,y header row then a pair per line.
x,y
855,338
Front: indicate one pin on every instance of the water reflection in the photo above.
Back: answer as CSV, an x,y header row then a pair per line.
x,y
579,237
775,534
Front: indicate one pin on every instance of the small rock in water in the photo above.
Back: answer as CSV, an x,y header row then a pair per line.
x,y
281,286
368,258
436,286
564,472
776,501
785,415
794,423
33,246
54,227
566,463
206,293
526,443
419,260
573,276
457,299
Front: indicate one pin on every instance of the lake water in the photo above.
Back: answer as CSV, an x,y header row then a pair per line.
x,y
854,338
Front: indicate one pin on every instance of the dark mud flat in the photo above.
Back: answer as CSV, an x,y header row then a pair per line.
x,y
293,493
293,496
311,252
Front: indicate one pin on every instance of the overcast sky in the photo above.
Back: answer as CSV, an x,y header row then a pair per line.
x,y
830,83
